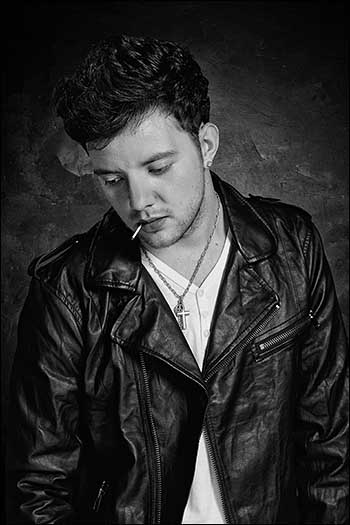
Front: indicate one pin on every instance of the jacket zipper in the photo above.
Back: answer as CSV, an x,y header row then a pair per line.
x,y
285,335
213,463
271,312
158,491
100,495
156,510
178,369
266,317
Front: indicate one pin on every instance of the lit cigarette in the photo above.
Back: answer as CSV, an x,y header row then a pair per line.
x,y
136,232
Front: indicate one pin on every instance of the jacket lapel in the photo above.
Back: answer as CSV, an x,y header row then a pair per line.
x,y
244,296
149,325
253,237
242,302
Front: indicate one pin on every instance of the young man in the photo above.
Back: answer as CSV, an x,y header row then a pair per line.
x,y
185,360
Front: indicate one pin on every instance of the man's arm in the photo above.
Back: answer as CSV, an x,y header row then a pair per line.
x,y
322,410
44,444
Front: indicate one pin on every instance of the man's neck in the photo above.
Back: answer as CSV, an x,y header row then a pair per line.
x,y
184,255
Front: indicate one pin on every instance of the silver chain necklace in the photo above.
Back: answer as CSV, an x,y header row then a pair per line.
x,y
180,312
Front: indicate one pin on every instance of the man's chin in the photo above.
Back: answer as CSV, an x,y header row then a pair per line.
x,y
158,240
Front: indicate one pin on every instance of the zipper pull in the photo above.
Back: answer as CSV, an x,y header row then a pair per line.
x,y
313,319
101,493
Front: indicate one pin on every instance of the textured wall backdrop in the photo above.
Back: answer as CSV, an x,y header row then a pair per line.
x,y
278,82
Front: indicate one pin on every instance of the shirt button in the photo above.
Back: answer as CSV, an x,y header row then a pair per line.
x,y
200,293
206,333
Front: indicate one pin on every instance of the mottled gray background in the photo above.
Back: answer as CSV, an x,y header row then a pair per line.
x,y
278,77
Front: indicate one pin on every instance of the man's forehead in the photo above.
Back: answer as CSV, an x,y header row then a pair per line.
x,y
142,156
150,142
154,127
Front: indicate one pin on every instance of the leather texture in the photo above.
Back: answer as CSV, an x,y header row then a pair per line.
x,y
107,402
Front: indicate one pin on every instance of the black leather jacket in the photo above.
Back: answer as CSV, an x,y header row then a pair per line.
x,y
108,403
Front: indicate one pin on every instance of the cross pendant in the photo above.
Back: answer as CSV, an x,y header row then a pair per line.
x,y
181,314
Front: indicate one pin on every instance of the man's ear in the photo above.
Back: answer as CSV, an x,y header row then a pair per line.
x,y
209,142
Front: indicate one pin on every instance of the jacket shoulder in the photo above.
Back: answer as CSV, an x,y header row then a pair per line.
x,y
273,209
68,258
285,220
268,208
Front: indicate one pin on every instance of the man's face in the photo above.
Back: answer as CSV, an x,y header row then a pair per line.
x,y
153,175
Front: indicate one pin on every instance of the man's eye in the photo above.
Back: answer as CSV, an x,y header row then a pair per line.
x,y
112,182
159,171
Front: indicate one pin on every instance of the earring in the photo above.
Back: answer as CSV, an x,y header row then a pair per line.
x,y
209,163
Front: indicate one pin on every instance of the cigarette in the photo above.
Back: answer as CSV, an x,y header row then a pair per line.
x,y
136,232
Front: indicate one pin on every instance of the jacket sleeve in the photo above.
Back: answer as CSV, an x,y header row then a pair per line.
x,y
44,444
322,408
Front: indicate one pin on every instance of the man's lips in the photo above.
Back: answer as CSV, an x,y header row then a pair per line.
x,y
152,225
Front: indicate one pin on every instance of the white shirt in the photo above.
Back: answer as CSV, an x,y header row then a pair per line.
x,y
203,505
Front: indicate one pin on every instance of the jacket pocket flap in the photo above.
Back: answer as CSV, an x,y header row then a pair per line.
x,y
266,346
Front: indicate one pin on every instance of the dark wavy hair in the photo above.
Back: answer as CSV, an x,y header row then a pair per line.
x,y
122,79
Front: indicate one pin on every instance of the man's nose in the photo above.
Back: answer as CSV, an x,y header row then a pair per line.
x,y
140,194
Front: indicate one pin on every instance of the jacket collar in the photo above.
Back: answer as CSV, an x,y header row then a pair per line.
x,y
114,259
254,238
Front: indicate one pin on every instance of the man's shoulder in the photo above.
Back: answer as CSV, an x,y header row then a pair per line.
x,y
287,221
66,261
278,209
268,208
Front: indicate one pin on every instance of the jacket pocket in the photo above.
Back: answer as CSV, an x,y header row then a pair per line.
x,y
283,340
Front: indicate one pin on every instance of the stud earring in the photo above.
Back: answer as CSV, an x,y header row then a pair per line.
x,y
209,163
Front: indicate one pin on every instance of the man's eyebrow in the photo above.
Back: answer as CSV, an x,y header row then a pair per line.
x,y
153,158
105,172
159,156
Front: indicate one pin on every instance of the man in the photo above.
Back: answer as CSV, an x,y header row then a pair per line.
x,y
184,361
